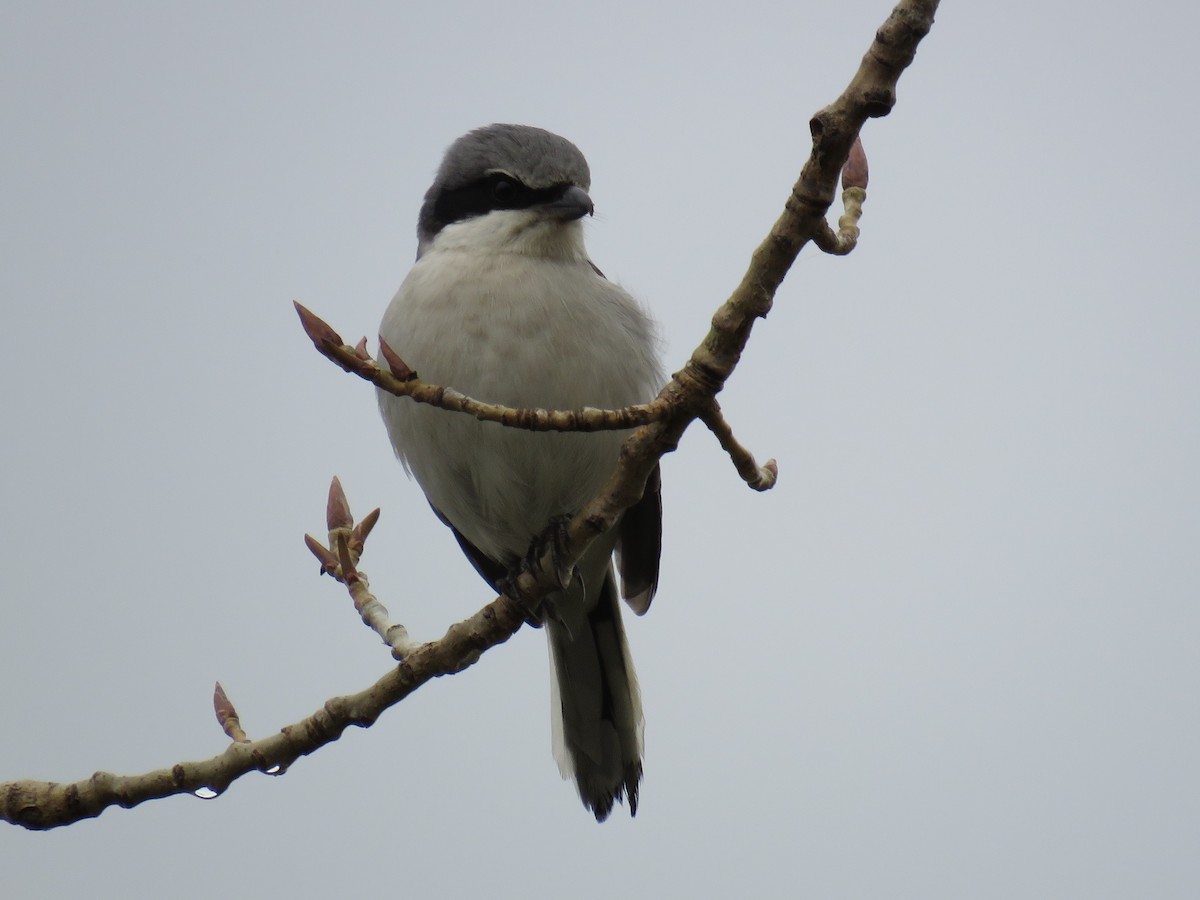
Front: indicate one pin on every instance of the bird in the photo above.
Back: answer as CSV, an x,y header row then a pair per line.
x,y
504,304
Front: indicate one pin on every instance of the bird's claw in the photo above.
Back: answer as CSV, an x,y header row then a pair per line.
x,y
553,540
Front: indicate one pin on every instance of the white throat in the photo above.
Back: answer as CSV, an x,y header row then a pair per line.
x,y
525,232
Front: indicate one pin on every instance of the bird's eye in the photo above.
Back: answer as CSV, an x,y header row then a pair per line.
x,y
504,190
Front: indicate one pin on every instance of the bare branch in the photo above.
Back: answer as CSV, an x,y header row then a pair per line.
x,y
761,478
871,93
402,381
845,239
340,560
854,194
40,805
690,394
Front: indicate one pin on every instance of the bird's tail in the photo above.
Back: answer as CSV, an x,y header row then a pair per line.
x,y
596,708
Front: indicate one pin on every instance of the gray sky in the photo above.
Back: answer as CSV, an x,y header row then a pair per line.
x,y
953,654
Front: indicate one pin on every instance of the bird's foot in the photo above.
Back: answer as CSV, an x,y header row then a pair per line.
x,y
552,541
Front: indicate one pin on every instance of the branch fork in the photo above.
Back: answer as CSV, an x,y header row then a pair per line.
x,y
690,394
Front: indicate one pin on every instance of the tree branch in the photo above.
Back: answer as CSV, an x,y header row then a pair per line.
x,y
340,560
404,382
41,805
761,478
690,394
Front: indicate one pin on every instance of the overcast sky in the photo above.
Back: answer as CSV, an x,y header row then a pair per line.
x,y
955,652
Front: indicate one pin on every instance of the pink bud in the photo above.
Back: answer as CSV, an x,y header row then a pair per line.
x,y
855,172
398,366
316,328
337,510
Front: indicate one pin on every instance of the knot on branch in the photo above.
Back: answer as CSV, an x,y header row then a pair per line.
x,y
698,381
878,102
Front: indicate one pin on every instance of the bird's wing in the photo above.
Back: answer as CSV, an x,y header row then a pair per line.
x,y
639,546
488,569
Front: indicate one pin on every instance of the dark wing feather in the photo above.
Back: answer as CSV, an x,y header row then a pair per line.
x,y
488,569
639,546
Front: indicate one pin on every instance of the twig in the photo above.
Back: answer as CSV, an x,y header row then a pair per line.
x,y
871,93
340,560
40,805
402,381
761,478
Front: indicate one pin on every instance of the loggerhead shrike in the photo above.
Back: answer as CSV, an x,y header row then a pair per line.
x,y
504,305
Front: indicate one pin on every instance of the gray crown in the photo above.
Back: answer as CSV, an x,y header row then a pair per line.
x,y
534,156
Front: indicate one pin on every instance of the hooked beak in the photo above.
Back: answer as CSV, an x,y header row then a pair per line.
x,y
573,203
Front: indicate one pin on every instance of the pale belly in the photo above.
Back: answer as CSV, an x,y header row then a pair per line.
x,y
583,343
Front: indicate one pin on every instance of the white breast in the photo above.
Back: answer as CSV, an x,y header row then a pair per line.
x,y
482,314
